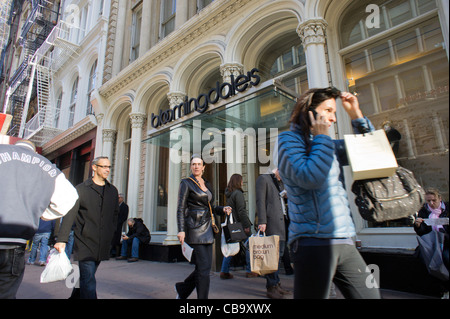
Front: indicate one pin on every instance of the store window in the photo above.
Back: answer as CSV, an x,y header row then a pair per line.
x,y
399,70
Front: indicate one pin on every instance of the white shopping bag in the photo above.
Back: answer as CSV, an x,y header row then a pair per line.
x,y
370,155
58,267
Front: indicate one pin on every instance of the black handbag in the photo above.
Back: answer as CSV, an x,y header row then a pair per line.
x,y
234,232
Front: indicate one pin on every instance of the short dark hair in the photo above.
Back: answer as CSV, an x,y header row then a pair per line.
x,y
235,182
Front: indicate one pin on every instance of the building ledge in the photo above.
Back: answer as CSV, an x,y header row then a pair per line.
x,y
80,128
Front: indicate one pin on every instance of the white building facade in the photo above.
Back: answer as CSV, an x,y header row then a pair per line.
x,y
123,92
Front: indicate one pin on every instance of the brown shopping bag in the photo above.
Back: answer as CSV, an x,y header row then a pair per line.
x,y
264,253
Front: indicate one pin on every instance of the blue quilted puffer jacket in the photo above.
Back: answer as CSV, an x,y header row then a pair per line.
x,y
312,175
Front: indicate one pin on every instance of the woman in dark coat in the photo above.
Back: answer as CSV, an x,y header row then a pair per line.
x,y
236,200
195,226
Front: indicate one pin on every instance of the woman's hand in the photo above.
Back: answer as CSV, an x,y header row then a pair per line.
x,y
351,105
181,236
227,210
318,125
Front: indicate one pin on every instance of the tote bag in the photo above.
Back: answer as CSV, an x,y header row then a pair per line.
x,y
264,253
370,155
234,232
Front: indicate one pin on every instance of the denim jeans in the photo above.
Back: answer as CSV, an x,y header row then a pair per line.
x,y
134,247
12,266
226,261
88,284
42,239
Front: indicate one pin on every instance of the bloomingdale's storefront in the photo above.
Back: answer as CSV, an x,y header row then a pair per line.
x,y
230,96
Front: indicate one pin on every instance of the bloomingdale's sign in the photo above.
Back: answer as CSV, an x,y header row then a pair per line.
x,y
201,103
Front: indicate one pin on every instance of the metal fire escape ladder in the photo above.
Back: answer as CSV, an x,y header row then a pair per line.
x,y
48,59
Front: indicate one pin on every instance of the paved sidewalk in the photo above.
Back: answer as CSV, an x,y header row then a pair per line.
x,y
155,280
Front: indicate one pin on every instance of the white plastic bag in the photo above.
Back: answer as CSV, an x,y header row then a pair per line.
x,y
228,249
58,267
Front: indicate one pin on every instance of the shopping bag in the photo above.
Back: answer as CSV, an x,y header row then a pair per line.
x,y
234,232
58,267
430,248
228,249
264,253
370,155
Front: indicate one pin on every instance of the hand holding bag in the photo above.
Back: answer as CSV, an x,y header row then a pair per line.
x,y
264,253
234,232
58,267
370,155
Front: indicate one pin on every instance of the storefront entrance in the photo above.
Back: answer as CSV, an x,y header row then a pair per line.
x,y
237,136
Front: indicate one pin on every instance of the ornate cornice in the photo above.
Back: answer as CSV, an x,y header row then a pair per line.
x,y
189,33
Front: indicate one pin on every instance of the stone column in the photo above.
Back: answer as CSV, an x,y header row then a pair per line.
x,y
137,122
312,34
109,140
233,142
181,15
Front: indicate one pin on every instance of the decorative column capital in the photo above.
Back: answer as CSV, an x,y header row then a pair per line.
x,y
175,98
228,69
99,118
312,31
137,120
109,135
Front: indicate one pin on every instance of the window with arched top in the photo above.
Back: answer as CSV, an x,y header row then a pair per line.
x,y
395,61
91,87
73,102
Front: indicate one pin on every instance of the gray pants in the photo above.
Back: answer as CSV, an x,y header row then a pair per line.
x,y
317,266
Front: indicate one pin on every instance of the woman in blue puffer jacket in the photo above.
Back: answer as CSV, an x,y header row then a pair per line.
x,y
321,228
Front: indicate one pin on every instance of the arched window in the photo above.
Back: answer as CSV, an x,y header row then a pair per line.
x,y
398,67
57,111
73,102
91,87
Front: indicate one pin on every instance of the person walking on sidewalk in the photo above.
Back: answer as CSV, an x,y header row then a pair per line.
x,y
196,226
321,226
31,188
95,215
271,221
42,237
236,200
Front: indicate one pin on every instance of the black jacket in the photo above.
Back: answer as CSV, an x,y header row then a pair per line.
x,y
95,217
140,231
193,213
236,201
423,229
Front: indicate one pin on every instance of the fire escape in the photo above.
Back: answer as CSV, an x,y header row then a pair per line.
x,y
30,96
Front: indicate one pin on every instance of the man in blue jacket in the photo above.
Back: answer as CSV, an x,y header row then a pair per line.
x,y
321,228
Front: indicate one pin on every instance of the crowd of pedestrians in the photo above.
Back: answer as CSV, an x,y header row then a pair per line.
x,y
302,200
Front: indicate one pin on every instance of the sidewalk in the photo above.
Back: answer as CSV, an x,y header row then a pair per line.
x,y
155,280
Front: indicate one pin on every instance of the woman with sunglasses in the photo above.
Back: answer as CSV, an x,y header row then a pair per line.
x,y
321,228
